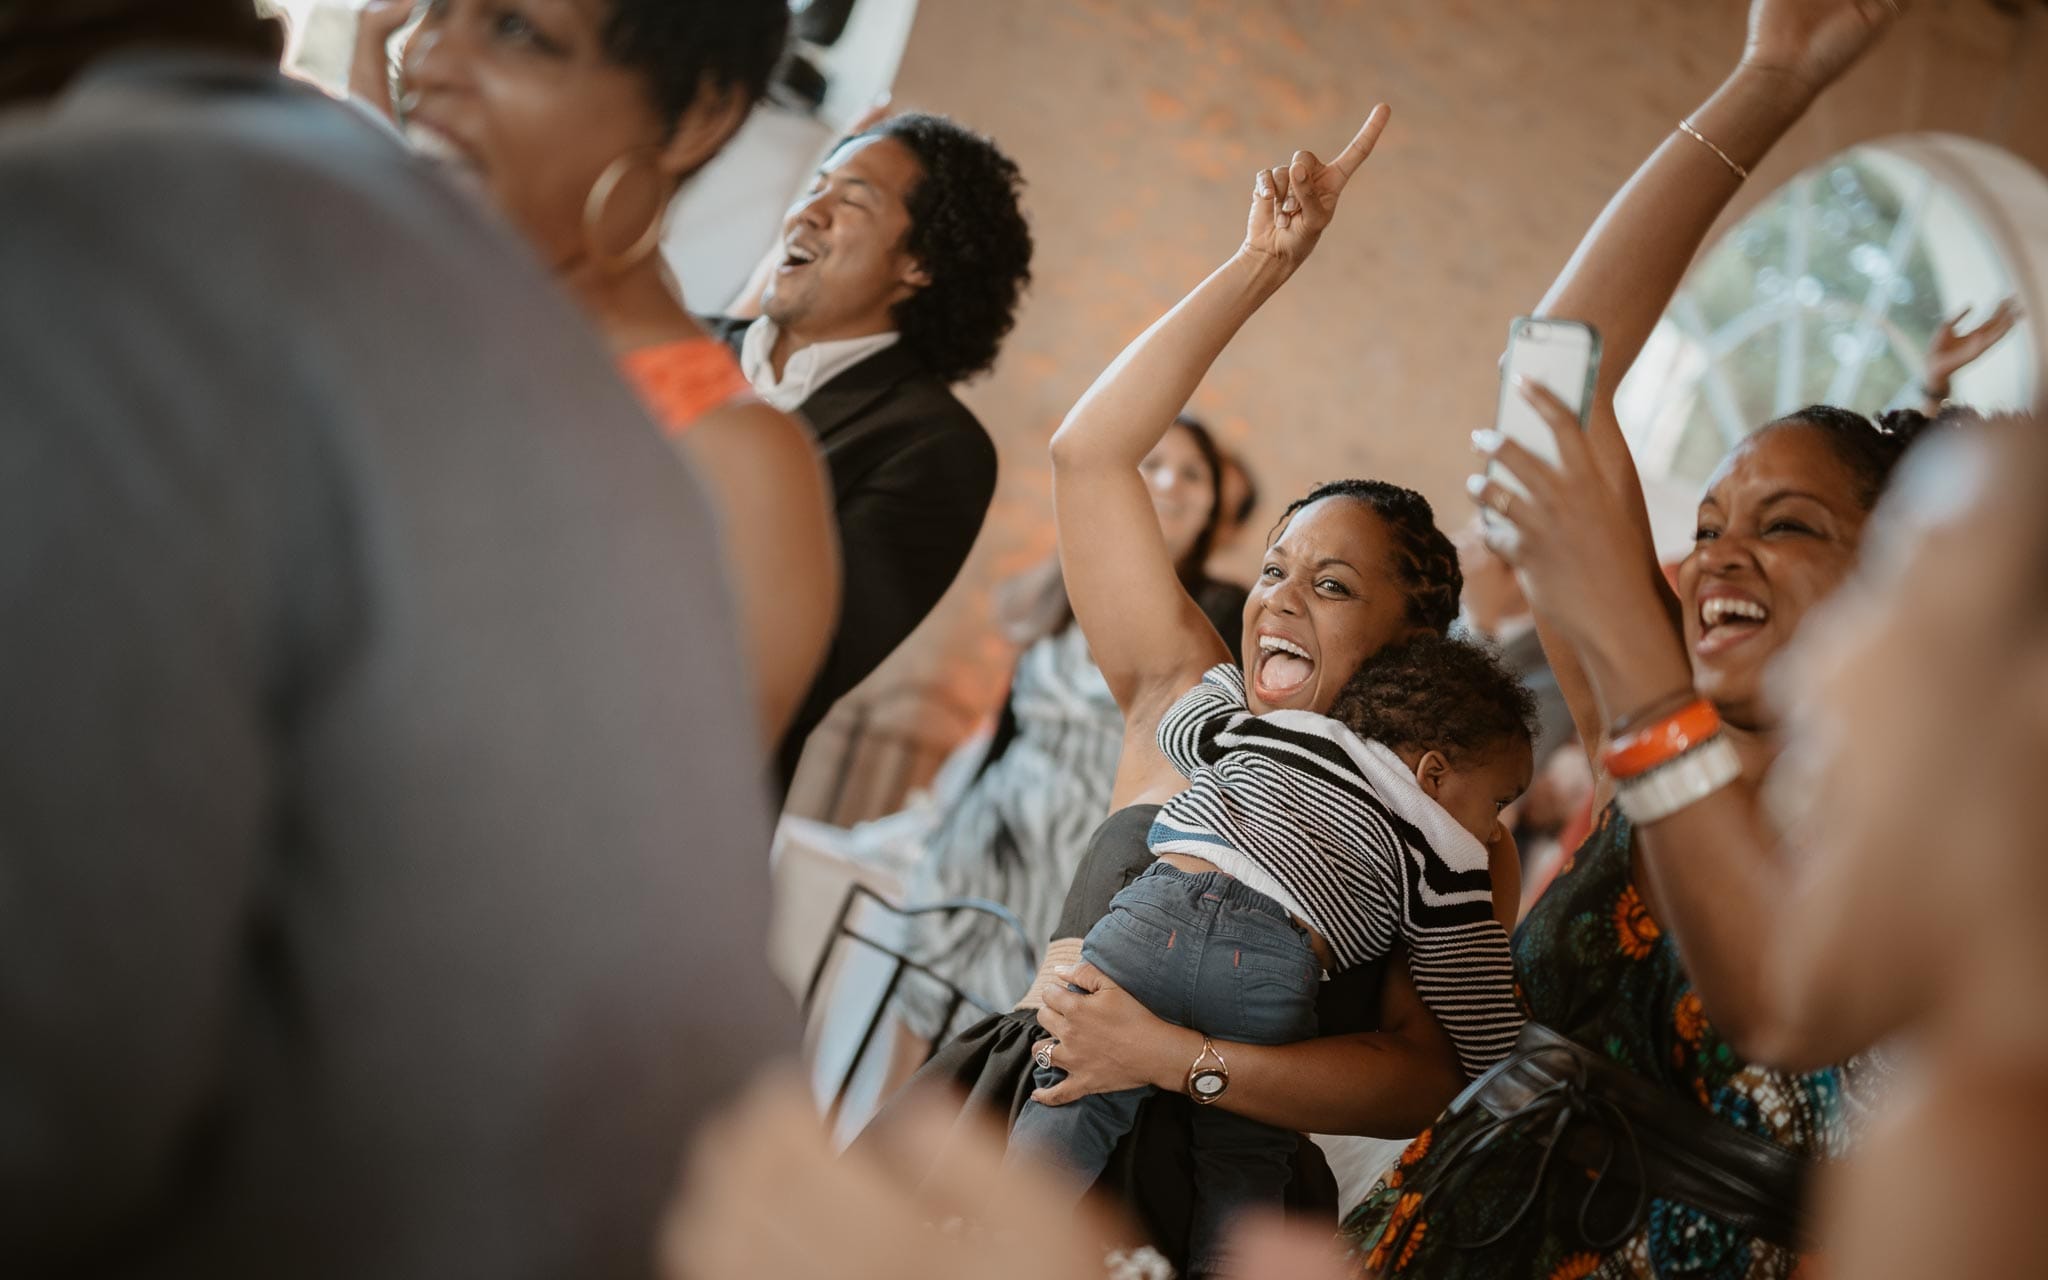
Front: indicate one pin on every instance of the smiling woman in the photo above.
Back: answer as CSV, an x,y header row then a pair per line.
x,y
1352,568
580,120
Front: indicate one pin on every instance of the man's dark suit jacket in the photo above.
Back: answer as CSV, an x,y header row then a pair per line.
x,y
382,886
912,475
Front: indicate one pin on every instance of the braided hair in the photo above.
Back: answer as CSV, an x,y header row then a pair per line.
x,y
1869,449
1430,693
1425,562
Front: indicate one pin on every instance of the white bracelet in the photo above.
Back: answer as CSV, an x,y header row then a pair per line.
x,y
1680,783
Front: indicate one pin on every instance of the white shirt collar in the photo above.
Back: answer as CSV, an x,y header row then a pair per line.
x,y
807,370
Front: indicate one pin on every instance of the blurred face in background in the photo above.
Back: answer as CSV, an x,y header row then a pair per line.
x,y
1492,593
1236,485
1183,489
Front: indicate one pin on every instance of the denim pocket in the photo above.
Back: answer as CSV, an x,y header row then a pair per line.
x,y
1276,1002
1292,963
1140,921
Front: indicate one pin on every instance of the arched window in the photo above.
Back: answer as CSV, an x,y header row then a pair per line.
x,y
1829,291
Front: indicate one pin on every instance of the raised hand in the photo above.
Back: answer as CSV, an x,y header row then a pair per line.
x,y
1949,351
1583,560
1815,41
1293,203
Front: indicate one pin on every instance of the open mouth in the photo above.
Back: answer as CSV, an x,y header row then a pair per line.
x,y
1728,620
427,141
795,258
1284,667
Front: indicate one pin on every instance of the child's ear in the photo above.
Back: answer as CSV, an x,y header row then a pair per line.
x,y
1431,772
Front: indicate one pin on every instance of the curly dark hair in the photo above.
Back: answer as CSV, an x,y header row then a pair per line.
x,y
968,232
1425,562
1250,501
686,47
1205,541
1869,450
44,44
1432,693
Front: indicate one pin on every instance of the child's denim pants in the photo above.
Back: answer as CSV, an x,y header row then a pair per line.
x,y
1200,951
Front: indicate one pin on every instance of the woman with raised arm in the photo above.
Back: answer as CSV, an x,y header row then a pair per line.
x,y
581,120
1636,1130
1354,566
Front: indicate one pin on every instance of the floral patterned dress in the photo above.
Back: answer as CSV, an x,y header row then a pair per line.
x,y
1593,964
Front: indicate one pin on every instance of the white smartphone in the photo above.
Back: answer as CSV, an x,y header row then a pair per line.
x,y
1562,355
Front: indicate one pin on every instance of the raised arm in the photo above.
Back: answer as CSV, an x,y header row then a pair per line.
x,y
1950,351
1149,638
1626,270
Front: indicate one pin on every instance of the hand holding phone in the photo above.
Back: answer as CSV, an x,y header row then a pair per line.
x,y
1560,355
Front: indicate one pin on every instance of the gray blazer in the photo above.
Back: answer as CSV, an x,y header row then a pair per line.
x,y
383,877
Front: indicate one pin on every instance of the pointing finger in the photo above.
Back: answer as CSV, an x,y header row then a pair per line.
x,y
1361,145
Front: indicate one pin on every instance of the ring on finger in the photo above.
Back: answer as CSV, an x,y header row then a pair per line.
x,y
1499,500
1042,1055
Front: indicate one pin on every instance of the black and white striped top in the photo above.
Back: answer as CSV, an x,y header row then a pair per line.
x,y
1334,828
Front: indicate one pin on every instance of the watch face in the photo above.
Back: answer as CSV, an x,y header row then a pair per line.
x,y
1209,1083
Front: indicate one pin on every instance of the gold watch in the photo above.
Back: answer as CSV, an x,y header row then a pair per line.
x,y
1208,1075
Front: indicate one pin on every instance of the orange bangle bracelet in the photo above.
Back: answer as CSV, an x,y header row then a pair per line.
x,y
1661,741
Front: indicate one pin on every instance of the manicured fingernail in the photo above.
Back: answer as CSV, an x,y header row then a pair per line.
x,y
1486,439
1475,485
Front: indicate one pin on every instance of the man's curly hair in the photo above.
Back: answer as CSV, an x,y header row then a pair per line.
x,y
1433,693
969,234
1425,562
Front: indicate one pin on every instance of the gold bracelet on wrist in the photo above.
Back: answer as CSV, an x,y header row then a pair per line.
x,y
1741,174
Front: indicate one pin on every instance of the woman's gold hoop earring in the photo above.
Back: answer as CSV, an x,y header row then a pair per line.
x,y
594,207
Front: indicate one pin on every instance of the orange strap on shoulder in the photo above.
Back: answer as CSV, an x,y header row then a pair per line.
x,y
680,382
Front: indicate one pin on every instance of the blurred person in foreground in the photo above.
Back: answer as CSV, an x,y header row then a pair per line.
x,y
374,789
580,120
1918,705
870,1213
44,44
